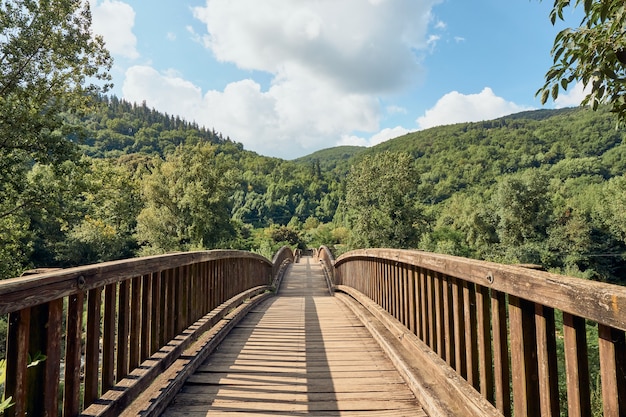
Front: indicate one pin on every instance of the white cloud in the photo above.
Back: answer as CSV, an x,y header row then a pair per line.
x,y
396,110
287,120
380,137
455,107
114,20
330,62
573,97
359,47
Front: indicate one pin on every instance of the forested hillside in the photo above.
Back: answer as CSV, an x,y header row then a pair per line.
x,y
543,187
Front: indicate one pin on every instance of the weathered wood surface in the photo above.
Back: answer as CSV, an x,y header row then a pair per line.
x,y
300,353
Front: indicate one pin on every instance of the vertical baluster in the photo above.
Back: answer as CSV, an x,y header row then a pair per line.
x,y
547,361
612,345
108,337
576,365
73,350
135,324
524,357
92,348
17,361
52,363
483,320
411,303
171,305
147,312
424,306
501,368
123,329
157,312
471,340
439,326
460,358
448,321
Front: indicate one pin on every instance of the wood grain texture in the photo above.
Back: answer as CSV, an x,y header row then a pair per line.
x,y
303,352
596,301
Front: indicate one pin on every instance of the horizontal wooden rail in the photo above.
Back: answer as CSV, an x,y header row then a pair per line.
x,y
502,326
96,324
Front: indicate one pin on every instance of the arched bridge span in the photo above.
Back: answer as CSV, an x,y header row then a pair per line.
x,y
465,337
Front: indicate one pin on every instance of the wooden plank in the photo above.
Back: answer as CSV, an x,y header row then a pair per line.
x,y
53,358
460,357
147,312
92,346
123,329
73,349
28,291
501,371
471,343
297,354
576,365
596,301
135,324
448,322
612,344
524,357
485,353
439,325
547,361
156,319
108,337
17,361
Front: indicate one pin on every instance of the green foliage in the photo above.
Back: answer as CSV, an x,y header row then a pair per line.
x,y
48,57
186,202
380,204
594,53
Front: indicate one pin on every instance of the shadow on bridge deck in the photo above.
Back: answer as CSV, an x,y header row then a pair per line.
x,y
300,353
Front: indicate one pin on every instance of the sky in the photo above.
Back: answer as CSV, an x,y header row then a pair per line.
x,y
289,77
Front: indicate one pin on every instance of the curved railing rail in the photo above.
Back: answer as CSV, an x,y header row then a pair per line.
x,y
96,324
504,326
326,258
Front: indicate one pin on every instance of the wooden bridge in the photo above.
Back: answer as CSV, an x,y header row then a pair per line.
x,y
376,332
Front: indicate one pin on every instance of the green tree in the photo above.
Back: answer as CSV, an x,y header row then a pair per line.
x,y
594,53
380,204
186,202
106,230
50,65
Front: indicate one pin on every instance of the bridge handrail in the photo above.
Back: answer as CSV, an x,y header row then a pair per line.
x,y
326,258
131,309
469,312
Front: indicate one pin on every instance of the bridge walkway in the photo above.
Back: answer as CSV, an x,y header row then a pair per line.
x,y
302,352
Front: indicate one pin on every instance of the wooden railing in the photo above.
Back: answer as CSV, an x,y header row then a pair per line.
x,y
540,338
97,324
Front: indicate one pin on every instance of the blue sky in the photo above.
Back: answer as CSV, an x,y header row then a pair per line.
x,y
289,77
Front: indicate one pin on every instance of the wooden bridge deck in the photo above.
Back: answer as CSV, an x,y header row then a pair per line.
x,y
300,353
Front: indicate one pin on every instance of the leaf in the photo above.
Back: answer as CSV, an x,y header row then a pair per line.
x,y
3,371
36,360
555,91
6,404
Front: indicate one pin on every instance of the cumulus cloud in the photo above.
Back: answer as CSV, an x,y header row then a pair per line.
x,y
455,107
573,97
330,64
360,47
287,120
380,137
114,20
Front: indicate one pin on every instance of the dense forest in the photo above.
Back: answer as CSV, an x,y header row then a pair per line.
x,y
544,187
